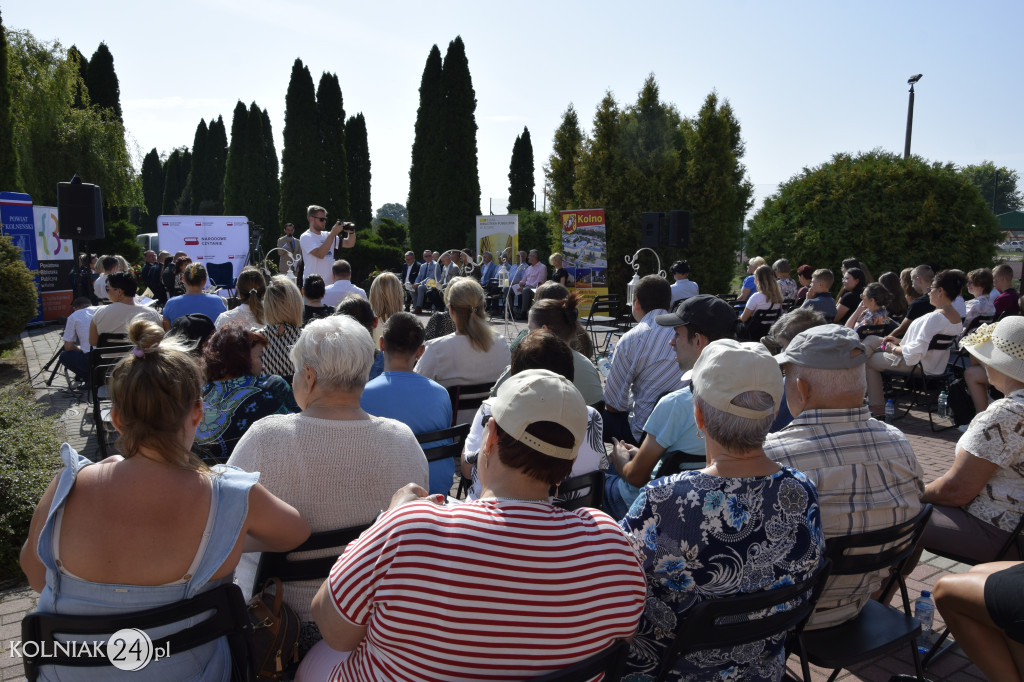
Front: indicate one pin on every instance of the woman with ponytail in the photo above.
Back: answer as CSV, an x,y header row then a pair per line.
x,y
251,288
156,525
474,354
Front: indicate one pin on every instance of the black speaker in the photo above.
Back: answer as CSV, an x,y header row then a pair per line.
x,y
80,211
651,229
678,229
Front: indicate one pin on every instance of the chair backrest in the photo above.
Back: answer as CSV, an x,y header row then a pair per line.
x,y
883,330
280,565
607,305
226,616
585,490
675,461
468,397
731,621
977,322
611,661
941,342
221,274
456,437
899,543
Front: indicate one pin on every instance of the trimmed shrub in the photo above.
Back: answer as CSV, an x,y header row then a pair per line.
x,y
18,296
28,460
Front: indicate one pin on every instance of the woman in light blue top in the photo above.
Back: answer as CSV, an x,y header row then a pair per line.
x,y
155,526
194,300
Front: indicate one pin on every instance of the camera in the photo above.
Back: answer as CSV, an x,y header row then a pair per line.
x,y
347,228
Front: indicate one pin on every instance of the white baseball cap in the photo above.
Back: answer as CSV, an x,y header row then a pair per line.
x,y
537,395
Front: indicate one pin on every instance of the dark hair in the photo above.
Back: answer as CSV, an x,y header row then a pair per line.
x,y
195,274
550,290
313,287
517,455
680,267
359,309
952,282
341,267
982,277
125,281
858,275
180,263
540,349
897,297
805,271
559,316
108,263
403,334
228,353
653,293
81,302
854,263
877,293
195,328
251,289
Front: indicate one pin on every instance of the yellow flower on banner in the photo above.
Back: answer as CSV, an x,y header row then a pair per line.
x,y
980,335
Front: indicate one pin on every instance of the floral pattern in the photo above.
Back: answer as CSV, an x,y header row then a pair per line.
x,y
230,406
700,537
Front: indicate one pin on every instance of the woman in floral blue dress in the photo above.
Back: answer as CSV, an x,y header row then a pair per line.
x,y
742,524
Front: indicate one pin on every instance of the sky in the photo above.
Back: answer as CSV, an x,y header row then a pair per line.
x,y
806,80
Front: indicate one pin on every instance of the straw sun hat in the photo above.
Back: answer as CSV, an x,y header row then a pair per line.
x,y
1000,346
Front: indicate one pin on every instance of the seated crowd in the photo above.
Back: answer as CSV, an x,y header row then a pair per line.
x,y
734,437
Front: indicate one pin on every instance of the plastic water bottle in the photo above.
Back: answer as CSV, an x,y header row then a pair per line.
x,y
924,611
942,410
604,363
890,412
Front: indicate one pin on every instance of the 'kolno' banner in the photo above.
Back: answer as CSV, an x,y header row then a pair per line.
x,y
585,253
206,238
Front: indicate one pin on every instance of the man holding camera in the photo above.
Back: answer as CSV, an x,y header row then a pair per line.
x,y
319,246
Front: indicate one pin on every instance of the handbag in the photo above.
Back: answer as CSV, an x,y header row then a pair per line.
x,y
275,633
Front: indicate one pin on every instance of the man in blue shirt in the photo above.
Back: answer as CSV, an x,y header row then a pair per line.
x,y
413,399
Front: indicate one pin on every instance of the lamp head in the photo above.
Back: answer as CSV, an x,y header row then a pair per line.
x,y
914,79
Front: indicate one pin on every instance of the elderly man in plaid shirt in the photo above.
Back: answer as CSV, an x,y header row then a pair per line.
x,y
865,470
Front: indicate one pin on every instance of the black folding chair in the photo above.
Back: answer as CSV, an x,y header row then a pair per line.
x,y
878,628
467,397
601,320
883,330
223,606
575,492
744,618
284,566
920,387
760,322
611,661
109,350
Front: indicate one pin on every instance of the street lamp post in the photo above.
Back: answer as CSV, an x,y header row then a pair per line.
x,y
910,115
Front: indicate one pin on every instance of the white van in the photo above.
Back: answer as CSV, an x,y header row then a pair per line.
x,y
150,241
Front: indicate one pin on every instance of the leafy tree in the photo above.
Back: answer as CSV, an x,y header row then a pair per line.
x,y
560,173
534,230
104,90
395,212
52,139
358,150
331,126
888,211
176,170
460,199
81,88
9,177
520,173
718,194
392,232
119,238
152,188
999,187
302,157
371,253
425,183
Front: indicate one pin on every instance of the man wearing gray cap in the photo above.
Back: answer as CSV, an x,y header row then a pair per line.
x,y
866,473
697,321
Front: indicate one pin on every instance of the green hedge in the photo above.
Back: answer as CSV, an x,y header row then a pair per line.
x,y
28,460
18,298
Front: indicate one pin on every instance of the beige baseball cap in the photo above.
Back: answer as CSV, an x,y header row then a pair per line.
x,y
537,395
727,368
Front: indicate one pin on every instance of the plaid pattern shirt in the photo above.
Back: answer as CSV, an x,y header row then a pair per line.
x,y
867,478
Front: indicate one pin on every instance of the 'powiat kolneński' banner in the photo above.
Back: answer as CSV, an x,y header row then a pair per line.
x,y
585,253
206,238
34,230
498,234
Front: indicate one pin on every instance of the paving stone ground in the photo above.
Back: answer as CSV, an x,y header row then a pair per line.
x,y
934,451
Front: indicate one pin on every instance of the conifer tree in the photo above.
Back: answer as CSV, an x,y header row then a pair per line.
x,y
302,157
176,171
197,171
359,171
152,188
270,189
238,182
460,199
104,90
560,174
427,153
217,149
9,176
520,173
331,126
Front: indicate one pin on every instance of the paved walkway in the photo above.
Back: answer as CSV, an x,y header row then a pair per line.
x,y
934,452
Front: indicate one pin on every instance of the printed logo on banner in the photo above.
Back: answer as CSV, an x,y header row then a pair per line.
x,y
59,246
191,241
569,223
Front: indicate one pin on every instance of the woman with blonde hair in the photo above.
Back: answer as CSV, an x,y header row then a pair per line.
x,y
474,354
560,274
282,305
157,502
386,298
767,296
251,289
194,300
749,285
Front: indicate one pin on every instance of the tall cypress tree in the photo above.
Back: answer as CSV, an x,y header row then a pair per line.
x,y
560,174
104,90
460,175
217,150
520,173
302,160
9,175
81,87
331,126
152,188
176,171
197,179
359,171
427,153
238,183
270,192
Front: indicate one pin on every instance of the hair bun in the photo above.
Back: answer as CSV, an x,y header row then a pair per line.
x,y
144,334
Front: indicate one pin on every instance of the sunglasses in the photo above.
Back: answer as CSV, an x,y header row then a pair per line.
x,y
323,220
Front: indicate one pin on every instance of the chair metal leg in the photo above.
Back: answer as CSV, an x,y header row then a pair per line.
x,y
938,649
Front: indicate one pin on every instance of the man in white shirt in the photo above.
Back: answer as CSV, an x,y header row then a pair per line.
x,y
341,271
75,355
682,288
319,247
